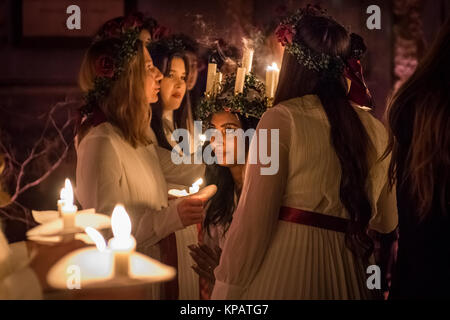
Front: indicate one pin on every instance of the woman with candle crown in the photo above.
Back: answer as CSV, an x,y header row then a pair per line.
x,y
117,160
173,110
302,232
226,113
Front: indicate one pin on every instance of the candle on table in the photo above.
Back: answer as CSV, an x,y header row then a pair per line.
x,y
123,244
240,79
68,209
211,78
272,74
62,199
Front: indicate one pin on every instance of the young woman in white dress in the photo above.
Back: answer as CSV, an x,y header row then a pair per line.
x,y
117,162
302,233
227,174
173,110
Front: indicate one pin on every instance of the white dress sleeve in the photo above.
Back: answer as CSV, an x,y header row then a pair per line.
x,y
99,186
257,213
179,174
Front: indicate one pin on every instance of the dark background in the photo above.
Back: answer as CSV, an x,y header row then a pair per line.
x,y
36,75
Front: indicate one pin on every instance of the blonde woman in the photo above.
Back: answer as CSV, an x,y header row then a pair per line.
x,y
117,161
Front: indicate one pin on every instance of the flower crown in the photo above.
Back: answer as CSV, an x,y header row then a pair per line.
x,y
251,103
108,68
327,65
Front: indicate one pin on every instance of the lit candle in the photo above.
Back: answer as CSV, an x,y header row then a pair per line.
x,y
240,78
183,193
247,59
68,209
62,199
211,78
272,74
195,186
123,244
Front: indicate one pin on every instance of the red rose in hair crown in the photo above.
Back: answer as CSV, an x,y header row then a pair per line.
x,y
285,33
104,67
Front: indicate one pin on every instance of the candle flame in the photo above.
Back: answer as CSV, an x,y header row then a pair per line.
x,y
97,238
202,138
198,182
121,224
274,66
62,194
67,194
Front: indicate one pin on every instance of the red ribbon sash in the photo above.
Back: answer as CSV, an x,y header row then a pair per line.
x,y
314,219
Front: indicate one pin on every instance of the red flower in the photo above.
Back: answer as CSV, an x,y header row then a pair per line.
x,y
227,109
285,33
159,32
132,21
104,67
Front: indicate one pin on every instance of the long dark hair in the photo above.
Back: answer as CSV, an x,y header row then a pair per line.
x,y
419,124
222,205
347,133
162,58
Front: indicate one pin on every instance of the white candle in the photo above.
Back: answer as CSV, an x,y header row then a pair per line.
x,y
272,74
123,244
61,201
240,79
217,82
68,210
247,59
211,78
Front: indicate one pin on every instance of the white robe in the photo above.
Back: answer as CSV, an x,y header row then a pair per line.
x,y
111,171
265,258
17,280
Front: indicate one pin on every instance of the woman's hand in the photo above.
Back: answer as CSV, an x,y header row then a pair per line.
x,y
191,211
206,260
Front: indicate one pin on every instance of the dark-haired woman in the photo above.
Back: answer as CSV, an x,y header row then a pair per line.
x,y
302,233
228,173
172,109
419,120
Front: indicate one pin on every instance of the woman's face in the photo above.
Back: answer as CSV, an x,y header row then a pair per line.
x,y
152,79
223,122
193,70
173,86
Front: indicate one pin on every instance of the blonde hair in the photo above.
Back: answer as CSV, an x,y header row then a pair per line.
x,y
125,104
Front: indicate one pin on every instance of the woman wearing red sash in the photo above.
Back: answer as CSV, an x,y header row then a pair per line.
x,y
302,233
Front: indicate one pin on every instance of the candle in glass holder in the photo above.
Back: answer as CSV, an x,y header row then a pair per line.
x,y
240,79
123,244
68,209
211,77
272,74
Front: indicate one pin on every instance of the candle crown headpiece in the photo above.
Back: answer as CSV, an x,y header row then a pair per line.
x,y
328,65
252,102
